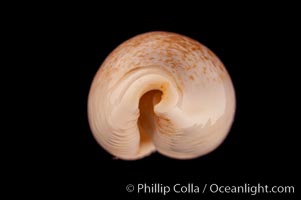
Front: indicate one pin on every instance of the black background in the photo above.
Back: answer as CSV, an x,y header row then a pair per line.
x,y
257,48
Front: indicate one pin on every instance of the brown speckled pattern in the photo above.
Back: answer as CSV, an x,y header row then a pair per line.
x,y
179,54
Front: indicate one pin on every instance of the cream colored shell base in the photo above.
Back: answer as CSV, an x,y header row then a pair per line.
x,y
162,92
